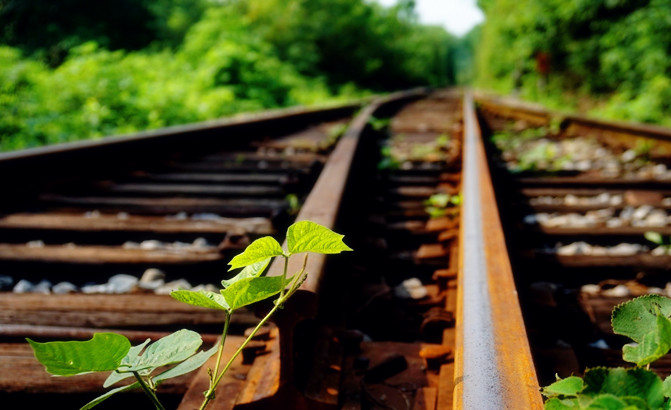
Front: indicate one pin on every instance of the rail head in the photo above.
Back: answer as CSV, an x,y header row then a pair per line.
x,y
494,366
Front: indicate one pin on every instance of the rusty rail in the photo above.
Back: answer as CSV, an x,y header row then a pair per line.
x,y
494,368
273,381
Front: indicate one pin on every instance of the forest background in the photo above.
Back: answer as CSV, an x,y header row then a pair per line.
x,y
607,58
76,69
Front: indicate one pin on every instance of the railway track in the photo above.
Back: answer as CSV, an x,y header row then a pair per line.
x,y
486,250
578,197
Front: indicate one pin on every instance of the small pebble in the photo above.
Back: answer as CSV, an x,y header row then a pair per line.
x,y
23,286
44,286
590,289
63,288
6,282
121,283
174,285
617,291
35,244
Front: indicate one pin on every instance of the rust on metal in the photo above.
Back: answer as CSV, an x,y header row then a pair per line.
x,y
494,368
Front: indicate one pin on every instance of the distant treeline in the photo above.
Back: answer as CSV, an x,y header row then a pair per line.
x,y
74,69
610,57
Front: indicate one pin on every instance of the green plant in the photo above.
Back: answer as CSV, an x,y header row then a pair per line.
x,y
388,161
439,204
646,321
379,124
657,238
294,204
113,352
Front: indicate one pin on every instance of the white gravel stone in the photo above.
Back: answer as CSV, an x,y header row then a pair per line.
x,y
173,285
6,282
62,288
617,291
44,286
151,245
122,283
410,289
625,249
590,289
599,344
23,286
575,248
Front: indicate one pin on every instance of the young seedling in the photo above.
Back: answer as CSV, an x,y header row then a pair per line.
x,y
439,204
113,352
657,238
646,321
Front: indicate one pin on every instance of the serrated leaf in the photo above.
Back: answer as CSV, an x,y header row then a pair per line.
x,y
103,352
654,237
653,346
202,298
308,236
257,251
637,317
127,362
109,394
250,290
192,363
620,382
249,271
174,348
569,386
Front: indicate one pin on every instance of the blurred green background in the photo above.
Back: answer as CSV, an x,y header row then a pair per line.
x,y
75,69
607,58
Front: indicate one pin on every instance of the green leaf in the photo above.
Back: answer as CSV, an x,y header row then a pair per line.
x,y
620,382
564,404
607,402
248,271
257,251
250,290
202,298
653,346
637,317
666,387
109,394
654,237
308,236
192,363
569,386
103,352
128,361
174,348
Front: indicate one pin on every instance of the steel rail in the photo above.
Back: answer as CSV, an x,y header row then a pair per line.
x,y
622,133
35,168
276,380
493,364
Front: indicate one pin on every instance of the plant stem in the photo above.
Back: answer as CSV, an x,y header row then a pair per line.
x,y
284,277
209,395
149,392
220,351
237,352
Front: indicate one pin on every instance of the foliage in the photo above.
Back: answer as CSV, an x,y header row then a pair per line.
x,y
646,321
609,54
442,204
354,41
82,71
113,352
